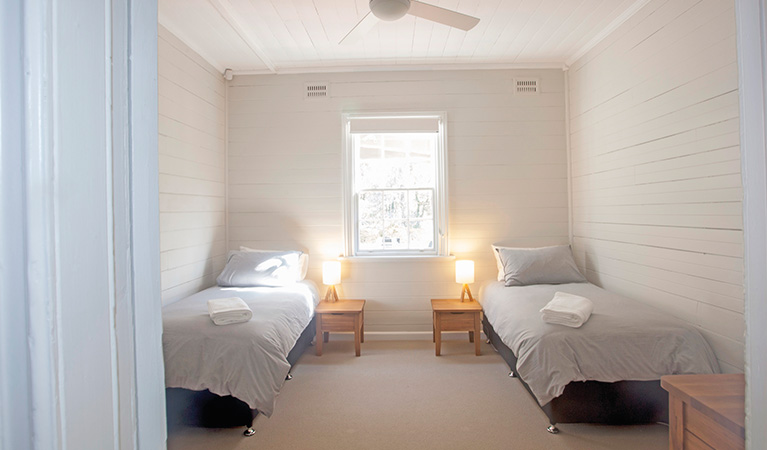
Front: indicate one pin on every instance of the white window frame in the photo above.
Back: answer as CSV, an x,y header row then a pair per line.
x,y
351,231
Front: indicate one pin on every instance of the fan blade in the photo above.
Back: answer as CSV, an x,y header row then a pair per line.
x,y
363,26
442,15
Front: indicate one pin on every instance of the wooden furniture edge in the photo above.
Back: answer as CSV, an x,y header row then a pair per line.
x,y
667,383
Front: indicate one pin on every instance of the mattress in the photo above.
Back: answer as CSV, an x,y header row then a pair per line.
x,y
622,340
246,360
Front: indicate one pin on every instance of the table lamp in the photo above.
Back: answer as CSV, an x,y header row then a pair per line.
x,y
464,274
331,276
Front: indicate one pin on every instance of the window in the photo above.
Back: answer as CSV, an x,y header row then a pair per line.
x,y
395,184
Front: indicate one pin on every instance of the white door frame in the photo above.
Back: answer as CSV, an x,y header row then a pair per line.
x,y
15,382
136,218
143,202
751,17
41,91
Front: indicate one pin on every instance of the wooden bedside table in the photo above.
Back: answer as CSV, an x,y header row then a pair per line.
x,y
341,316
706,411
454,315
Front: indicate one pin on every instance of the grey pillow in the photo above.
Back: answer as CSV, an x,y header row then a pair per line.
x,y
245,269
545,265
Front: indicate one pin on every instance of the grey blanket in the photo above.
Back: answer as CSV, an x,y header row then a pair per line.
x,y
246,360
622,340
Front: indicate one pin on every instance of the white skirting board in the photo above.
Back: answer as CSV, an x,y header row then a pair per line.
x,y
403,336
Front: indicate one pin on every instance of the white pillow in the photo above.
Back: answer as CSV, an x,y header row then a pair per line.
x,y
303,262
544,265
498,262
244,269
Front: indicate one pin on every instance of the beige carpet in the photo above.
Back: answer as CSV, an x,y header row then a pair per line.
x,y
398,395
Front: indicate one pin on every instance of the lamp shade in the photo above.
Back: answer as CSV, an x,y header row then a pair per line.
x,y
464,271
331,273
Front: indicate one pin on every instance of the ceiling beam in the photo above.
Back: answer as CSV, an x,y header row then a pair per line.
x,y
406,67
229,14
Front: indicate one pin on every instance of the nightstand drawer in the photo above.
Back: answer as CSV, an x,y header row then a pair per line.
x,y
709,431
457,321
338,321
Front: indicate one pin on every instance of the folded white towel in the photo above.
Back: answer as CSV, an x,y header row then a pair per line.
x,y
226,311
567,309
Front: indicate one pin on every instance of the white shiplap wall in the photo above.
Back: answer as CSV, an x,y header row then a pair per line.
x,y
657,212
192,105
507,168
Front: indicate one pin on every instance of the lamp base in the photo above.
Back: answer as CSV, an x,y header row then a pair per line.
x,y
466,292
331,295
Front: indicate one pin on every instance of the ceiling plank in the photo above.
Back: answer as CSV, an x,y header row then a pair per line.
x,y
590,16
263,16
292,35
545,48
542,24
517,20
490,22
229,14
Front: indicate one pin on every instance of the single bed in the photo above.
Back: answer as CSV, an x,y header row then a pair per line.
x,y
245,363
606,371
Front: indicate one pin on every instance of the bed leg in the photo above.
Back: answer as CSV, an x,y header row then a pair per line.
x,y
249,432
289,376
552,429
512,375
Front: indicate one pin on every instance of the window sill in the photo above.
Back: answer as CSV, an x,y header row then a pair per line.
x,y
397,258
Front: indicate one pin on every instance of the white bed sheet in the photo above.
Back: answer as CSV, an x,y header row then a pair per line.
x,y
246,360
622,340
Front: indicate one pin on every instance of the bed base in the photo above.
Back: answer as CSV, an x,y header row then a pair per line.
x,y
206,409
619,403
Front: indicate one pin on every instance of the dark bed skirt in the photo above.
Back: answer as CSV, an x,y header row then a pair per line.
x,y
205,409
622,402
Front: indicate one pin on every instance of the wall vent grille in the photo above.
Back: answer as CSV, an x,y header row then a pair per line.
x,y
526,86
316,90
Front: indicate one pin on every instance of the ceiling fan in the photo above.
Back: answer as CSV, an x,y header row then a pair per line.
x,y
390,10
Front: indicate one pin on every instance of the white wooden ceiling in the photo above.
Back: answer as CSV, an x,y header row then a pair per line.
x,y
263,36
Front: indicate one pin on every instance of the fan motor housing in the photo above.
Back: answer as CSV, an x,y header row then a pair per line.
x,y
389,9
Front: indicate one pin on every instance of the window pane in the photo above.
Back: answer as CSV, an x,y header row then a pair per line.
x,y
370,206
370,141
421,204
395,205
421,174
371,235
395,235
373,152
395,160
422,234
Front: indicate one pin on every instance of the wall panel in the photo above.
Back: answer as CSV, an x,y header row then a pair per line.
x,y
655,167
192,105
